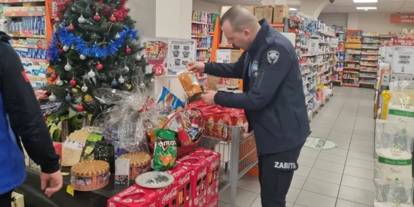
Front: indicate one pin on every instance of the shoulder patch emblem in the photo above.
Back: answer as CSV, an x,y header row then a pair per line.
x,y
272,56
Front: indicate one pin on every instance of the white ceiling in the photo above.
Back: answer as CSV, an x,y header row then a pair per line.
x,y
343,6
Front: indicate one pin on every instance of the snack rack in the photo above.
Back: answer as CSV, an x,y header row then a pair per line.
x,y
238,156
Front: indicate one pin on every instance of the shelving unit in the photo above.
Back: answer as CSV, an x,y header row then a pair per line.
x,y
316,47
238,156
31,30
369,59
340,58
353,45
202,31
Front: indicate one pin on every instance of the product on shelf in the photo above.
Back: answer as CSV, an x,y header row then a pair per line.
x,y
139,162
202,30
90,175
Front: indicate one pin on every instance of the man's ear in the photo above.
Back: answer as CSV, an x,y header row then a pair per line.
x,y
246,32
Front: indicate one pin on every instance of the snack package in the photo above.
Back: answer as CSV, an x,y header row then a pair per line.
x,y
190,84
169,101
165,151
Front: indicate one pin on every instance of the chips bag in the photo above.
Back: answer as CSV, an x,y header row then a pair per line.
x,y
190,84
165,152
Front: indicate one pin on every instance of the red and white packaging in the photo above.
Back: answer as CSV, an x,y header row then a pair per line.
x,y
182,179
135,196
168,196
198,167
213,159
213,202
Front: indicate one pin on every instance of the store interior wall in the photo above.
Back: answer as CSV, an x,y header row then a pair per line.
x,y
367,21
334,19
200,5
143,12
173,18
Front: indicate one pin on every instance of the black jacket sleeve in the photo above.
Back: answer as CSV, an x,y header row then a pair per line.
x,y
24,112
271,75
226,70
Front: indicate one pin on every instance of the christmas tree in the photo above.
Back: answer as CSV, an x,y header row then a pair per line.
x,y
95,46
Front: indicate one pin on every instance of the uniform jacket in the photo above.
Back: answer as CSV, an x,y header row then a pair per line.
x,y
20,120
273,97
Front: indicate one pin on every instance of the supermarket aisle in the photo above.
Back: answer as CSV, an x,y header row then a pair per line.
x,y
339,177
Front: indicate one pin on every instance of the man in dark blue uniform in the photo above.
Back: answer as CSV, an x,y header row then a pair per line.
x,y
273,98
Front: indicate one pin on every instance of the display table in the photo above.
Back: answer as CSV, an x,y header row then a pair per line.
x,y
232,158
35,198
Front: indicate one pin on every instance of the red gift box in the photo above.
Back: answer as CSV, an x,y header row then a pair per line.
x,y
168,196
182,179
135,196
219,118
198,167
213,202
213,159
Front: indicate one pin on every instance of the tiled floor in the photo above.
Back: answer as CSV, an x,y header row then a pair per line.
x,y
339,177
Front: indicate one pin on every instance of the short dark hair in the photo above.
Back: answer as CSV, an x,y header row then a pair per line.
x,y
239,18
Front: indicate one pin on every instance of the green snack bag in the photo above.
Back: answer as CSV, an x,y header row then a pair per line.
x,y
165,151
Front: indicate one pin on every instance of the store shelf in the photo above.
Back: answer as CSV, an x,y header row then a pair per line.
x,y
19,1
373,54
350,85
28,46
368,71
28,36
199,36
35,60
24,11
350,68
203,48
365,65
197,22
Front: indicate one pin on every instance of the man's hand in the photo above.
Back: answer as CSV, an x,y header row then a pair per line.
x,y
51,183
208,97
41,95
196,67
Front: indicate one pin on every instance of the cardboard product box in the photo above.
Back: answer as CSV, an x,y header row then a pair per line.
x,y
182,176
213,202
198,167
264,12
280,12
135,196
168,196
213,159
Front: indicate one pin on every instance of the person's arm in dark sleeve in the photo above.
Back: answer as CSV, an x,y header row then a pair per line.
x,y
226,70
24,112
271,76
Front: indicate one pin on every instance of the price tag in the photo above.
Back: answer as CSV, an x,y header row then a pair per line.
x,y
70,190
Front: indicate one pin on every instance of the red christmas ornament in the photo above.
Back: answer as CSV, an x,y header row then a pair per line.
x,y
73,82
71,28
80,107
121,13
158,69
112,18
97,17
53,76
128,50
99,66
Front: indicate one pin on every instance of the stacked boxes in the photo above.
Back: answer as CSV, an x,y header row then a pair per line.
x,y
195,185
